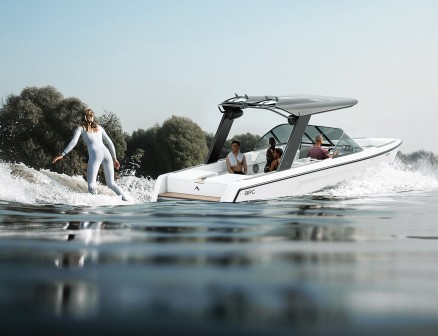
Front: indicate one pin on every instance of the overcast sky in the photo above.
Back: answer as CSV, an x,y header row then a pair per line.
x,y
148,60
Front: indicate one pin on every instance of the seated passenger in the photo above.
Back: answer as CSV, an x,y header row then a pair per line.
x,y
270,154
317,152
236,162
278,152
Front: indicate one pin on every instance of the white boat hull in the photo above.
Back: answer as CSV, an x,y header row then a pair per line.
x,y
212,183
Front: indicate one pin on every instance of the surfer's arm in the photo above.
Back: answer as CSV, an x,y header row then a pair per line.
x,y
73,142
111,147
70,146
110,144
56,158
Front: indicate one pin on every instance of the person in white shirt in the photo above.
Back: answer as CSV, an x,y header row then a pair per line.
x,y
236,162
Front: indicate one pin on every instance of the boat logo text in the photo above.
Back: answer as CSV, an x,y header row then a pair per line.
x,y
250,192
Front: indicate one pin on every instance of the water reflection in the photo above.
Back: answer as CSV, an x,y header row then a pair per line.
x,y
166,243
255,269
78,298
215,309
320,233
70,260
166,248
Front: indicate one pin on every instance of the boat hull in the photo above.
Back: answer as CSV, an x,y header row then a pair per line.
x,y
300,179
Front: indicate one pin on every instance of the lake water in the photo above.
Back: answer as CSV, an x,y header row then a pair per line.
x,y
360,258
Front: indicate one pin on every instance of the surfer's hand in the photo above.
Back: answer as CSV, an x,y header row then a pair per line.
x,y
56,158
116,164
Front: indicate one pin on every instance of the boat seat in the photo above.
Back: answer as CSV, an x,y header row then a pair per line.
x,y
304,151
252,161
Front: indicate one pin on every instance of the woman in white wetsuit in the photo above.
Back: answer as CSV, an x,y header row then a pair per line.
x,y
94,136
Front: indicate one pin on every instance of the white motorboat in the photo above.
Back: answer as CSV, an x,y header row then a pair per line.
x,y
296,174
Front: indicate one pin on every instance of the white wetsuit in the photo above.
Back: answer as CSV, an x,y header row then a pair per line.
x,y
98,154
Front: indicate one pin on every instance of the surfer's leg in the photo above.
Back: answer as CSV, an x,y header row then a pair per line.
x,y
92,171
108,169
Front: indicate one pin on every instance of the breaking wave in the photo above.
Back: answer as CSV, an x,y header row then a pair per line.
x,y
22,184
387,179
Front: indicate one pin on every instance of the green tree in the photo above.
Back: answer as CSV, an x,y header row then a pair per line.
x,y
420,157
61,123
181,143
209,138
38,123
247,141
141,154
32,126
113,127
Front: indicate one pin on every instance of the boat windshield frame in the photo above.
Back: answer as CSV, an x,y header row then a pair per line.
x,y
297,109
335,139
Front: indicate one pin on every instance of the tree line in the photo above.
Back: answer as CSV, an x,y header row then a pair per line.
x,y
38,123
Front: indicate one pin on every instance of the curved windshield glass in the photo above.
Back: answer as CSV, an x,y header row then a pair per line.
x,y
334,138
330,135
280,133
345,146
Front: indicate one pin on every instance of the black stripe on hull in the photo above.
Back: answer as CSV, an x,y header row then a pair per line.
x,y
316,170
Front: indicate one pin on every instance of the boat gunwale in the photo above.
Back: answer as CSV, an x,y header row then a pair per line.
x,y
322,168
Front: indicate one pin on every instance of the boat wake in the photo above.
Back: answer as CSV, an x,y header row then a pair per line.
x,y
22,184
386,179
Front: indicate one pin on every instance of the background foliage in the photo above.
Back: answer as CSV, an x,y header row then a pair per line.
x,y
113,127
38,123
34,126
177,144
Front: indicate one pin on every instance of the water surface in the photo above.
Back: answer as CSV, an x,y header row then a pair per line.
x,y
359,258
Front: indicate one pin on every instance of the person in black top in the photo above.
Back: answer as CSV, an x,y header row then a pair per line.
x,y
270,154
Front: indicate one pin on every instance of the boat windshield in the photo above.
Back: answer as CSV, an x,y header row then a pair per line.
x,y
334,138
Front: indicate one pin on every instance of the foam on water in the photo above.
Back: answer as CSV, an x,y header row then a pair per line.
x,y
19,183
386,179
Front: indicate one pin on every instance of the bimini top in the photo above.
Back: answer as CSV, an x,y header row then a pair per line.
x,y
295,104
